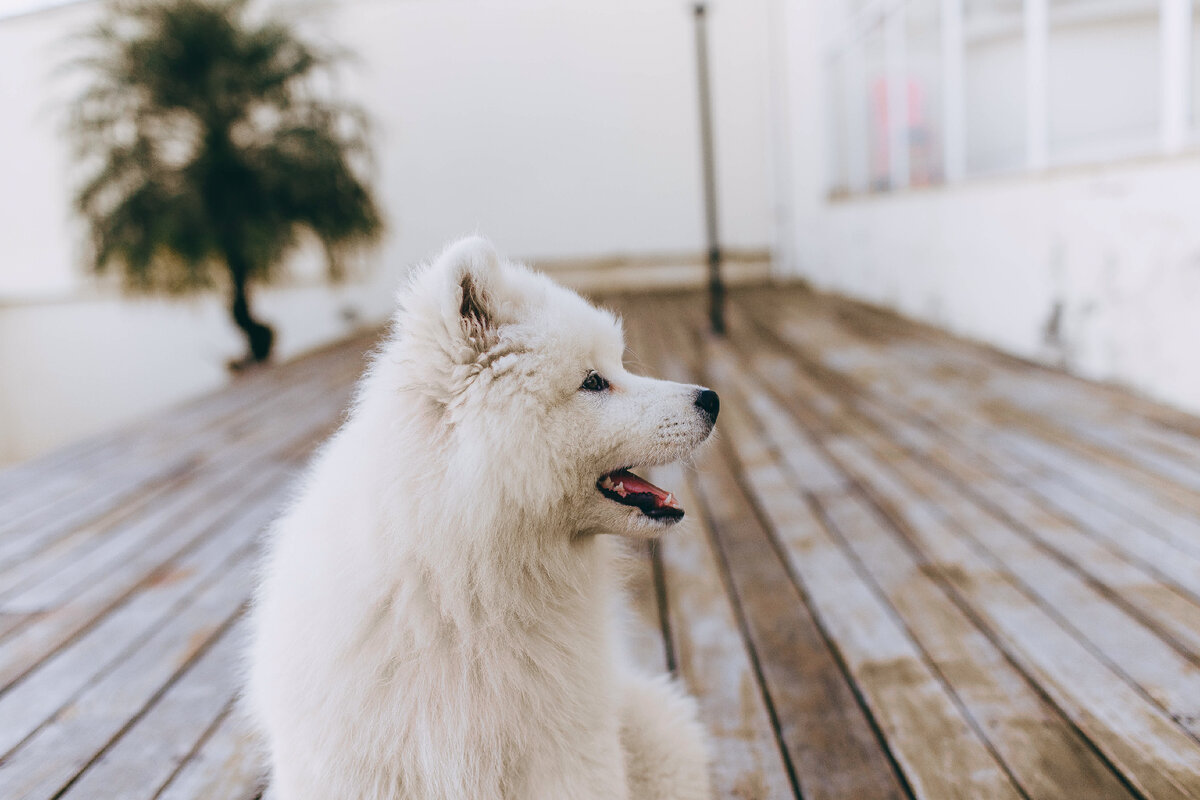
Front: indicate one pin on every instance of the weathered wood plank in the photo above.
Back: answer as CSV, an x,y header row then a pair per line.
x,y
831,741
1153,752
163,562
107,494
59,751
1138,572
940,752
706,644
644,626
987,423
45,690
138,552
152,749
1113,418
226,765
649,648
167,444
1022,727
44,578
917,569
713,662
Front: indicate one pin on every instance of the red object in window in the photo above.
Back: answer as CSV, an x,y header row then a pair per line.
x,y
917,134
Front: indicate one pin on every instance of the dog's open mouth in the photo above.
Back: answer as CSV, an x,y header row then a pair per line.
x,y
622,486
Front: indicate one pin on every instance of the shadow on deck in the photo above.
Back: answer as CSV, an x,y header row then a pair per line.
x,y
916,569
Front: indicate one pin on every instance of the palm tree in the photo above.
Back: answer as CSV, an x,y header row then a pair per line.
x,y
209,151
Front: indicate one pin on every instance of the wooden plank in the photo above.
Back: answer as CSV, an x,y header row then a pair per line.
x,y
1124,480
1042,390
1090,418
55,682
1161,593
44,579
708,650
226,765
151,750
1022,727
142,547
941,753
103,496
831,742
168,562
1141,573
713,662
1107,625
169,437
1047,756
137,592
1152,751
1150,509
647,648
1126,642
48,761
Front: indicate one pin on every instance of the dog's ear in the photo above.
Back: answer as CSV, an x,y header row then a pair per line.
x,y
476,284
460,302
476,311
474,305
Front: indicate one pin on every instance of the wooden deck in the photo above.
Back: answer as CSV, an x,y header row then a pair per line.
x,y
915,569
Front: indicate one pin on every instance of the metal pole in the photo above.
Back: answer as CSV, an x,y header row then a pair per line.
x,y
716,289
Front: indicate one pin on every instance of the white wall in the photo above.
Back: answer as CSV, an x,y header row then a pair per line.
x,y
1116,246
561,130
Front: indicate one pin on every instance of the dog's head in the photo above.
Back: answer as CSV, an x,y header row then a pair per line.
x,y
526,400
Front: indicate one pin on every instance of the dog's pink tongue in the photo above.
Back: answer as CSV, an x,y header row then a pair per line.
x,y
634,484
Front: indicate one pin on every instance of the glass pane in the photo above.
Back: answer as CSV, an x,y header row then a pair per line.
x,y
924,90
994,84
875,96
1103,78
838,154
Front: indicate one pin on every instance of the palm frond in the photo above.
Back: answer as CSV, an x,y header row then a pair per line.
x,y
206,142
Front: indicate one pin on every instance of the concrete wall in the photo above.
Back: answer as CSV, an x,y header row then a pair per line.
x,y
561,130
1094,268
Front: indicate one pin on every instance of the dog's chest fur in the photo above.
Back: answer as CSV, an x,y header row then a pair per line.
x,y
473,669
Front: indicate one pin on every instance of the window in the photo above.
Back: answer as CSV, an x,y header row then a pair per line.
x,y
928,91
994,78
1102,78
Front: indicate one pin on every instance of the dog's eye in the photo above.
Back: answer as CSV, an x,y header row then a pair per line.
x,y
594,382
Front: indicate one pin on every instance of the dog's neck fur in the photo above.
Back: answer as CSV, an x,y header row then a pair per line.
x,y
481,572
480,566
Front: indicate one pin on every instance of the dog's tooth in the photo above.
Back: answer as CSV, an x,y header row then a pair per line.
x,y
670,501
620,489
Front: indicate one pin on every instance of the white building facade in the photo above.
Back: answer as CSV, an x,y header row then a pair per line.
x,y
1023,172
564,131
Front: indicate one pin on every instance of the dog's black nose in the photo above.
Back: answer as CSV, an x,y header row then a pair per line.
x,y
708,402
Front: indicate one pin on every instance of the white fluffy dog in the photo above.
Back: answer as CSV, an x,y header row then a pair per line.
x,y
437,615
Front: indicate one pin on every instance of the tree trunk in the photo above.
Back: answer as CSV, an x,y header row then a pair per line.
x,y
259,337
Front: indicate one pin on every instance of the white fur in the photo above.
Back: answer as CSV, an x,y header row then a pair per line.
x,y
436,614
